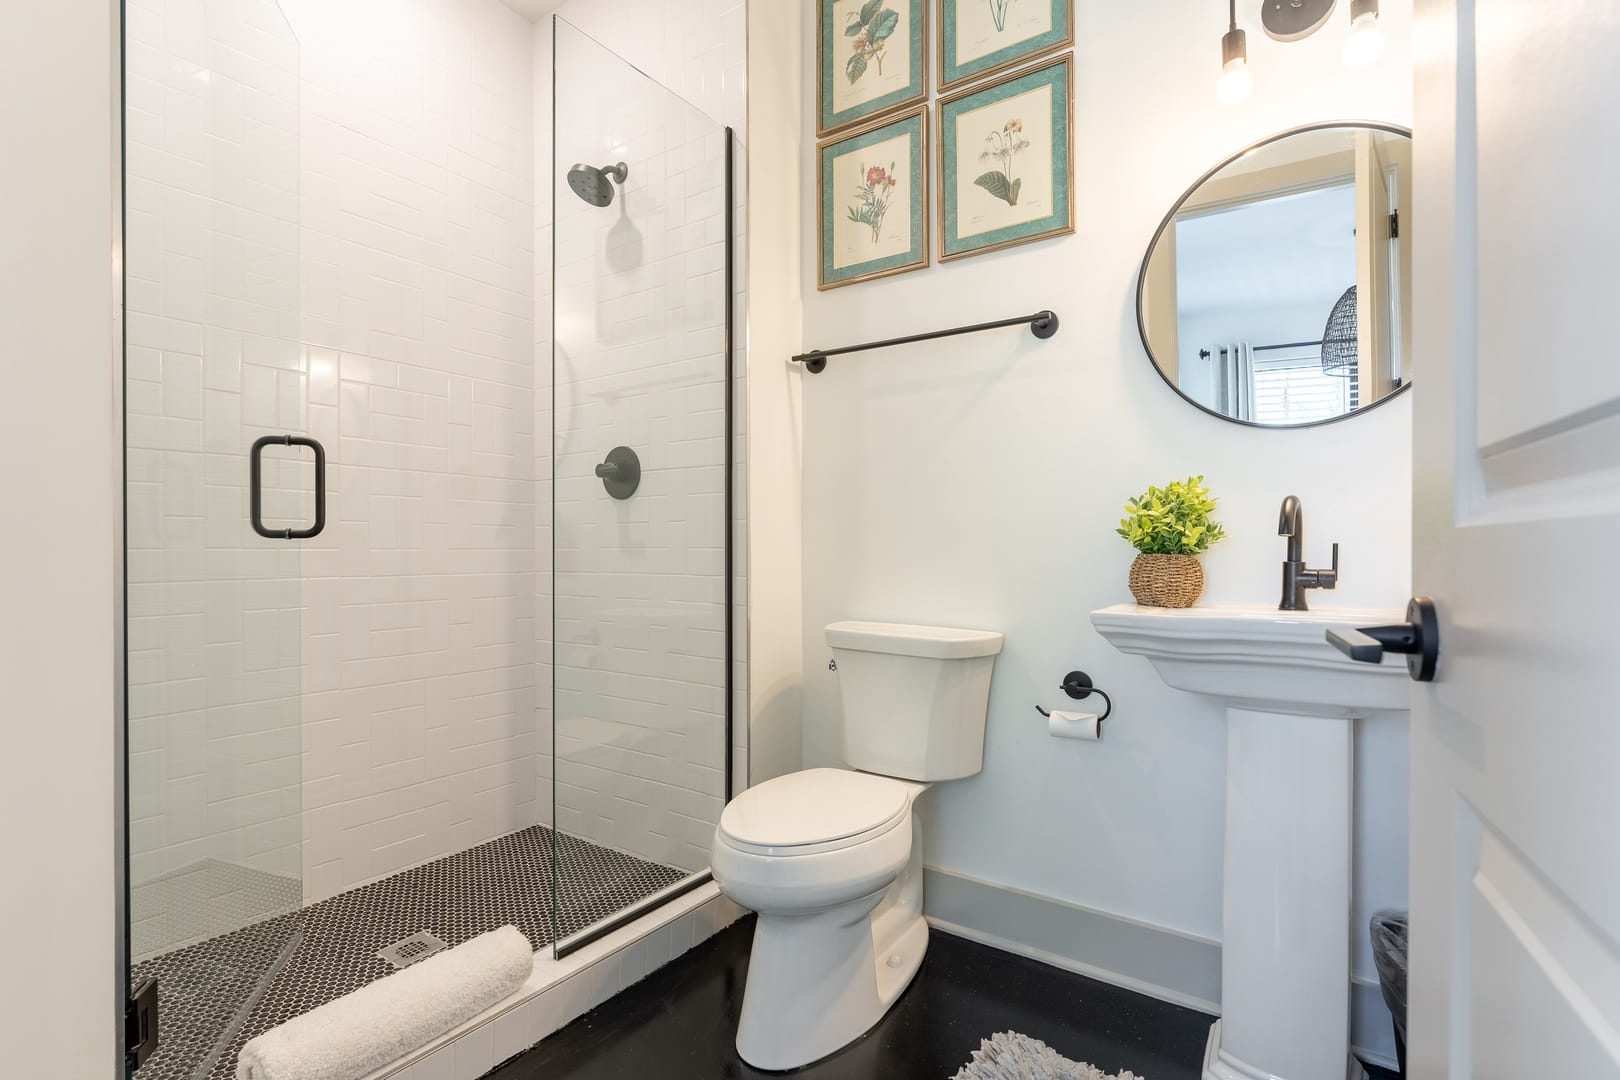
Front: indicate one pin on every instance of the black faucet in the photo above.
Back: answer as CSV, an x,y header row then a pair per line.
x,y
1296,576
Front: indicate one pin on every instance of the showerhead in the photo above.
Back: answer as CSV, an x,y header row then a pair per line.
x,y
595,185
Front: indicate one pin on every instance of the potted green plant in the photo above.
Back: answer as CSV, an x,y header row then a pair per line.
x,y
1170,527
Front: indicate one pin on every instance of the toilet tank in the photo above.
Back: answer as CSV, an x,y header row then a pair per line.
x,y
915,697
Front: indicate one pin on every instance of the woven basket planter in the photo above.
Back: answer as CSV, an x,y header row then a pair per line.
x,y
1169,581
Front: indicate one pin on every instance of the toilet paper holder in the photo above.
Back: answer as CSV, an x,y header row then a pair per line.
x,y
1078,685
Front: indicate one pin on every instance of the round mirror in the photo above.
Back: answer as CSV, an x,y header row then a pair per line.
x,y
1278,291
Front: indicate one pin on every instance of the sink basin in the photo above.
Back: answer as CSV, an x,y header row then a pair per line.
x,y
1261,658
1291,701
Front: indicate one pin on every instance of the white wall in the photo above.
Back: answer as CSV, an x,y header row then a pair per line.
x,y
60,539
977,482
776,57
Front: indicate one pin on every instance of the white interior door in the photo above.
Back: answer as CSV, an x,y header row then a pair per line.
x,y
1515,749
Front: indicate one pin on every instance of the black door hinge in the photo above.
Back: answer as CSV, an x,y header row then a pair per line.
x,y
141,1024
1394,224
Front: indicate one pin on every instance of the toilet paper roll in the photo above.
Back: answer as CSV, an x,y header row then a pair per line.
x,y
1074,725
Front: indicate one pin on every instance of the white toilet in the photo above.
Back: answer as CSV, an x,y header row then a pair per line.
x,y
831,859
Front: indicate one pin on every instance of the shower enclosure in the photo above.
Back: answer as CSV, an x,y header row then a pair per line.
x,y
641,582
430,521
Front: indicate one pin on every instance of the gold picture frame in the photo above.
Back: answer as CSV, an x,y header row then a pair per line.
x,y
832,120
954,74
975,203
842,223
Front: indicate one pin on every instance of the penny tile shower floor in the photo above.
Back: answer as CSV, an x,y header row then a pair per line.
x,y
326,950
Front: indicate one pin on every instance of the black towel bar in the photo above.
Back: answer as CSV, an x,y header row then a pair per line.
x,y
1043,324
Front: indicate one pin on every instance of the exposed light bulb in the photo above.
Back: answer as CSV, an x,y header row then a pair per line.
x,y
1236,78
1237,81
1366,42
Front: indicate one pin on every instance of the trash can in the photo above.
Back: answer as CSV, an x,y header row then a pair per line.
x,y
1389,938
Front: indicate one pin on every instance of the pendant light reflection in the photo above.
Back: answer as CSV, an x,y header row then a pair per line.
x,y
1366,43
1237,81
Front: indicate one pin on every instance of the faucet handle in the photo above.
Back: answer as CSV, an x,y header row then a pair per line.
x,y
1329,579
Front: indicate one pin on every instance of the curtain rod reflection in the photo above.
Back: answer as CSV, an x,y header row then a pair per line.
x,y
1205,354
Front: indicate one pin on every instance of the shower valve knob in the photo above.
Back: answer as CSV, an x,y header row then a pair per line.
x,y
620,473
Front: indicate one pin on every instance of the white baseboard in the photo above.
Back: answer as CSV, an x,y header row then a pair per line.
x,y
1372,1031
1152,960
1173,966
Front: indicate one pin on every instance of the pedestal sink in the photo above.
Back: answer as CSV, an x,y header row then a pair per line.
x,y
1291,700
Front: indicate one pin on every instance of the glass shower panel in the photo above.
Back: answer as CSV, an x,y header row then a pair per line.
x,y
640,496
212,363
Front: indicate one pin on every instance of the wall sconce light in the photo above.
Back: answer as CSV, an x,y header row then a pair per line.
x,y
1236,78
1295,20
1366,42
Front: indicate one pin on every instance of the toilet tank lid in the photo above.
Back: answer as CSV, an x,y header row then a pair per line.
x,y
934,642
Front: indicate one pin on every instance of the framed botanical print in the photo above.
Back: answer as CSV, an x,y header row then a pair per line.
x,y
983,37
1006,162
871,59
871,196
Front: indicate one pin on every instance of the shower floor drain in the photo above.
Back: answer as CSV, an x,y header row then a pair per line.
x,y
407,951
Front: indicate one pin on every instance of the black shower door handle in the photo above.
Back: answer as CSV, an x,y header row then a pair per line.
x,y
256,485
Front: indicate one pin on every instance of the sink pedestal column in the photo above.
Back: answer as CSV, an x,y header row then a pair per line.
x,y
1285,956
1289,697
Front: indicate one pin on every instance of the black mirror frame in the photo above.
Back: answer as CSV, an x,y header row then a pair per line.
x,y
1169,219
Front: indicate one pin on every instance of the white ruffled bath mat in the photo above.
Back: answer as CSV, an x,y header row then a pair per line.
x,y
1008,1055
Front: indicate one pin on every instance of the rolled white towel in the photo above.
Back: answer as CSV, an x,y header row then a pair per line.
x,y
383,1021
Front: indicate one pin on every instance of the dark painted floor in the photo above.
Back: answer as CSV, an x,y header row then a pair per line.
x,y
679,1023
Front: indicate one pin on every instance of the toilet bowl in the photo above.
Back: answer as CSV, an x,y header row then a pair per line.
x,y
831,859
832,862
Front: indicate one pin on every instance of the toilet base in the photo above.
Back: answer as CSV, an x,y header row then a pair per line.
x,y
818,982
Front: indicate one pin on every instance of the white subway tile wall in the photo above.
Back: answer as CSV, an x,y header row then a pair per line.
x,y
420,630
340,223
697,48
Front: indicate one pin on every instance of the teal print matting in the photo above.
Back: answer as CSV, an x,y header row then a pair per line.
x,y
835,49
953,74
1057,75
833,204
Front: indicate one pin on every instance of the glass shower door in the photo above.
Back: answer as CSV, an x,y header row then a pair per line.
x,y
641,495
213,367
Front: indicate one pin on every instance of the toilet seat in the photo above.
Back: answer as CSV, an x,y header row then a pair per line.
x,y
814,811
